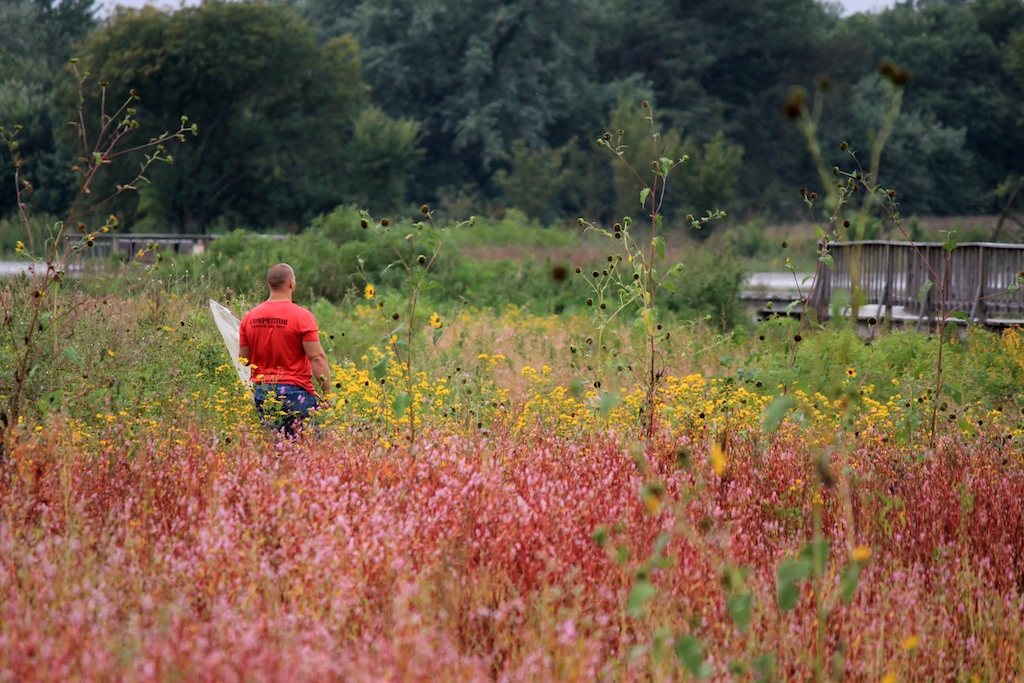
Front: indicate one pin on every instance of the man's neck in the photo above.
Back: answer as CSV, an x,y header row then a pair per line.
x,y
280,296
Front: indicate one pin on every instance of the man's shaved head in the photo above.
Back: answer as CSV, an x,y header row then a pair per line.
x,y
279,276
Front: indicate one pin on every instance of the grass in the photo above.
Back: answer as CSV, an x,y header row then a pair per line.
x,y
149,530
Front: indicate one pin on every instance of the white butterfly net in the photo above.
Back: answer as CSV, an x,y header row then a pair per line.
x,y
228,324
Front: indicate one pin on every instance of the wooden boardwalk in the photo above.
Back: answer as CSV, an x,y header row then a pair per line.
x,y
980,280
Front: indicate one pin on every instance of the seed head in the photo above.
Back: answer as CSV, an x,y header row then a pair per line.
x,y
421,259
794,107
559,272
424,209
384,222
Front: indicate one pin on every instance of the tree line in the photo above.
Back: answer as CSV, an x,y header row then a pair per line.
x,y
475,105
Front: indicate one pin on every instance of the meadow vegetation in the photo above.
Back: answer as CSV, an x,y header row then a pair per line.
x,y
548,453
151,529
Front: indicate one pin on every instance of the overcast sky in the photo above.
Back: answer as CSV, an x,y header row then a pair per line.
x,y
850,6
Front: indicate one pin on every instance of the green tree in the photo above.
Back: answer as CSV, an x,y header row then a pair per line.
x,y
35,43
726,65
957,137
478,75
535,180
700,185
278,115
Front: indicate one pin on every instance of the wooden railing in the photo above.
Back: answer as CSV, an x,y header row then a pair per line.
x,y
892,275
130,244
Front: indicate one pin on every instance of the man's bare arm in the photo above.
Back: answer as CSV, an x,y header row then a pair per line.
x,y
318,362
243,352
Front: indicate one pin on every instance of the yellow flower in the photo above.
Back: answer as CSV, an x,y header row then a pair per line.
x,y
718,461
110,353
652,504
850,372
19,247
435,321
890,678
369,292
861,553
910,643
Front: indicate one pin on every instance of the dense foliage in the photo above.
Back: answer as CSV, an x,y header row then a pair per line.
x,y
482,105
150,530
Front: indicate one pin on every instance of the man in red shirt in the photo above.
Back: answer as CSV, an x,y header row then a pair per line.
x,y
282,344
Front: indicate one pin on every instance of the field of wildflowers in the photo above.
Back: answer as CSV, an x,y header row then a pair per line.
x,y
150,530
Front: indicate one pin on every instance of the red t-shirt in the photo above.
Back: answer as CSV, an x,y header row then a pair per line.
x,y
274,332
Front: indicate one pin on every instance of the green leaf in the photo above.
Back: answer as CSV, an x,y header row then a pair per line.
x,y
792,305
644,193
690,653
776,411
438,333
789,576
954,392
608,401
661,543
950,244
639,595
50,400
925,288
828,261
74,356
965,425
401,403
739,609
428,286
380,370
659,246
961,315
816,553
386,339
669,285
819,231
848,581
765,665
